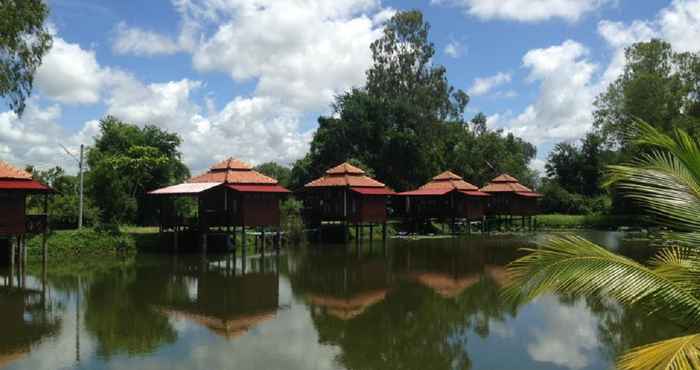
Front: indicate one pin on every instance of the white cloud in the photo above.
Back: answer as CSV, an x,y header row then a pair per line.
x,y
301,55
484,85
70,74
680,24
453,49
137,41
562,110
526,10
569,336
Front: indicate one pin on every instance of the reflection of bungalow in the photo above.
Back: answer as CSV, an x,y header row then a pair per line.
x,y
509,197
15,185
498,273
349,307
446,285
25,322
447,197
230,194
345,194
228,305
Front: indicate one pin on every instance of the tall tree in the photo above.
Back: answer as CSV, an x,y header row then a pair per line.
x,y
657,85
24,40
125,162
407,124
276,171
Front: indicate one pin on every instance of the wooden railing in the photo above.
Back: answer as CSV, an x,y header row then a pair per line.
x,y
36,224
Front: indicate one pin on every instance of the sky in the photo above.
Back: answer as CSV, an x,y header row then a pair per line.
x,y
249,78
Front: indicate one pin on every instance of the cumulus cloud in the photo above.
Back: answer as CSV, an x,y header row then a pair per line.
x,y
453,49
562,110
484,85
526,10
137,41
302,55
70,74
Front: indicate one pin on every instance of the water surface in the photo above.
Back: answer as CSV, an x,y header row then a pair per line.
x,y
428,304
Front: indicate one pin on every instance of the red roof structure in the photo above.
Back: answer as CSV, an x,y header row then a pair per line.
x,y
506,183
347,175
233,171
12,178
444,183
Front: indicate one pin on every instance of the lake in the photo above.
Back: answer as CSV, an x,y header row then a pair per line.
x,y
409,304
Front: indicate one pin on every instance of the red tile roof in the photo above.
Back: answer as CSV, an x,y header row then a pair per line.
x,y
449,180
233,171
505,184
373,191
258,188
345,175
427,192
7,171
12,178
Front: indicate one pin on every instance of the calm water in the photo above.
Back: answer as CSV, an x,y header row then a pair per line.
x,y
412,305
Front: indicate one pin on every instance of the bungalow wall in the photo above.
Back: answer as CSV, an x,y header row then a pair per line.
x,y
341,204
512,204
446,206
223,207
13,218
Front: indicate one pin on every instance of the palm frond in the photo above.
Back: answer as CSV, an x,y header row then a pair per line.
x,y
681,353
679,265
682,145
573,265
662,184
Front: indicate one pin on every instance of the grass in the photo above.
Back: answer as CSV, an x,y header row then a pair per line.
x,y
601,222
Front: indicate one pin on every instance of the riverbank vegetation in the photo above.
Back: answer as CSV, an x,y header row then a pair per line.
x,y
663,180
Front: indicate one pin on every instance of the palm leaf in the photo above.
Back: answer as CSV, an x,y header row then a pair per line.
x,y
573,265
679,265
681,353
662,184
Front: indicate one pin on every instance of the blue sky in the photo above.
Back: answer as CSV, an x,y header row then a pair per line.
x,y
248,78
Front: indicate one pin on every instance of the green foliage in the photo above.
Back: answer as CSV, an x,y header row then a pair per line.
x,y
658,85
126,162
556,199
283,174
63,206
23,43
664,180
291,221
407,123
589,221
84,242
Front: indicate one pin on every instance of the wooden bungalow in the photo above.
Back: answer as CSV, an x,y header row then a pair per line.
x,y
446,197
346,195
231,194
15,222
511,198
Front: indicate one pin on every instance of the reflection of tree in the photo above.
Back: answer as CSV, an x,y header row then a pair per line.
x,y
433,298
621,328
26,318
120,316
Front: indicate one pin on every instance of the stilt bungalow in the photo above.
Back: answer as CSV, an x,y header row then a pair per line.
x,y
15,222
511,198
230,195
346,195
446,197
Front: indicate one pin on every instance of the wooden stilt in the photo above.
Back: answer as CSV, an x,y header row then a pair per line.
x,y
278,239
243,248
371,233
384,231
12,262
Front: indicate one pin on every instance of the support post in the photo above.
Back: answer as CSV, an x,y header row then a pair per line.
x,y
384,231
371,233
243,248
12,262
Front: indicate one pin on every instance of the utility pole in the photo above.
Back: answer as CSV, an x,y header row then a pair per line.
x,y
80,173
80,168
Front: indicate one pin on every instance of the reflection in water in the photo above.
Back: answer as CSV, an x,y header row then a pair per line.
x,y
410,305
27,317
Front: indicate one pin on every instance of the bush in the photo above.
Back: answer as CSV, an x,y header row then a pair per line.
x,y
291,221
557,200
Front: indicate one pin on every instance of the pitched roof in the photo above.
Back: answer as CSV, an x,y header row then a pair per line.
x,y
7,171
12,178
505,184
345,175
448,180
233,171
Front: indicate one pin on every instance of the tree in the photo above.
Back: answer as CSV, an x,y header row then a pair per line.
x,y
657,85
23,43
664,180
125,162
276,171
407,124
